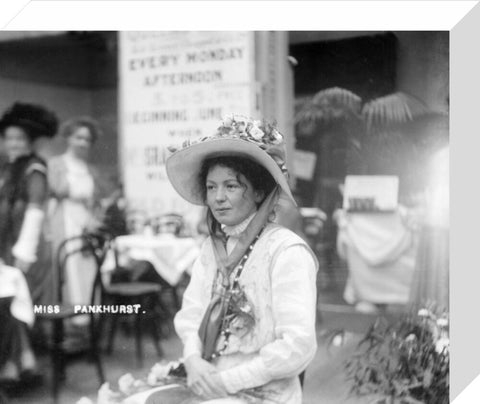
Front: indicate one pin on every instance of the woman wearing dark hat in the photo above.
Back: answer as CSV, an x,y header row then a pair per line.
x,y
23,192
248,315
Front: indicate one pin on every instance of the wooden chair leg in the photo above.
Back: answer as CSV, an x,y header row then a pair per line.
x,y
98,364
111,334
156,337
58,365
138,340
95,353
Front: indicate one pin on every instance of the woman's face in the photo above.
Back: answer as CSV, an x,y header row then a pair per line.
x,y
17,143
230,201
80,142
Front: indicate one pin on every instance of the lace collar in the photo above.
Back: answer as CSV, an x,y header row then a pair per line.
x,y
237,229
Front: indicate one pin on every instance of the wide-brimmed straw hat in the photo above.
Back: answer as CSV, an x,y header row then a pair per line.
x,y
36,120
237,136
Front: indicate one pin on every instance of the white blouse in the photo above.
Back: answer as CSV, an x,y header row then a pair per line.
x,y
79,178
279,279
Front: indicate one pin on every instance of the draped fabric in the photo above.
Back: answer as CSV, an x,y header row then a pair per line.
x,y
431,278
380,251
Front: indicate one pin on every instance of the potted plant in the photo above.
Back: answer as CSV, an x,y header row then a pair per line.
x,y
403,363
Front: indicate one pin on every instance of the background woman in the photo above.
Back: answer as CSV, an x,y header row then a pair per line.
x,y
75,191
248,315
23,193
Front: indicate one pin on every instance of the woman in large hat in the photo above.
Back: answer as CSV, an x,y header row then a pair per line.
x,y
248,315
23,192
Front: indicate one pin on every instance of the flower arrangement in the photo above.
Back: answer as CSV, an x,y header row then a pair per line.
x,y
242,127
259,132
163,374
404,363
160,374
235,126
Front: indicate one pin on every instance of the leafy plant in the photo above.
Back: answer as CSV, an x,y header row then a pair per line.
x,y
388,135
405,363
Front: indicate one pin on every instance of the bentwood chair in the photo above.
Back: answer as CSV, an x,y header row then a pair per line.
x,y
129,293
64,311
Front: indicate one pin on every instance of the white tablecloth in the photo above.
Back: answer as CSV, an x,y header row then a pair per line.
x,y
380,251
13,283
170,256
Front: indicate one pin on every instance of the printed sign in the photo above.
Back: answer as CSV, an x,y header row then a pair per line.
x,y
370,193
175,86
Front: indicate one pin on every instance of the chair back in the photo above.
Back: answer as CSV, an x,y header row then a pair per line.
x,y
94,244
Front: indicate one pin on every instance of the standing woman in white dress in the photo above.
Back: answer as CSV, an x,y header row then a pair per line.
x,y
75,194
247,320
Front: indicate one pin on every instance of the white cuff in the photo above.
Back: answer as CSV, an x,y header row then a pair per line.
x,y
192,346
245,376
25,248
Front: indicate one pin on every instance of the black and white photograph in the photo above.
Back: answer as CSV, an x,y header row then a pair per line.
x,y
224,217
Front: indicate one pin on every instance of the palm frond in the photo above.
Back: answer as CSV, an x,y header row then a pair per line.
x,y
396,108
338,97
327,106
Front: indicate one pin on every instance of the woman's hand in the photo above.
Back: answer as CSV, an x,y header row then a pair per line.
x,y
203,378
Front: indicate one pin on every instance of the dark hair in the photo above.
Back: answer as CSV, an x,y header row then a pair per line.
x,y
70,126
34,119
255,173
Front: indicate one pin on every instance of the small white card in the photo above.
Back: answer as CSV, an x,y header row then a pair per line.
x,y
370,193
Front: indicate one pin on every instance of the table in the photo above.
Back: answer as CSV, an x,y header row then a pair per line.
x,y
380,251
170,256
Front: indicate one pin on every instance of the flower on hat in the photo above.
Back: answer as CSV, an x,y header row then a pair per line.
x,y
249,129
241,124
256,133
228,120
263,134
276,137
236,135
235,126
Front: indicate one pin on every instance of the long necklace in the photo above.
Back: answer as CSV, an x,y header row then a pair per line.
x,y
225,331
